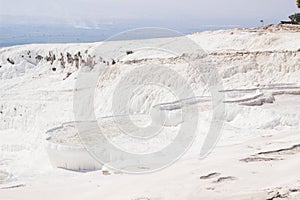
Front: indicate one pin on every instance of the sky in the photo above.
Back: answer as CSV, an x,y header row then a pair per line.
x,y
80,12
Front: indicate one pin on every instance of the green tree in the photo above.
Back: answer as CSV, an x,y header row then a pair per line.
x,y
298,3
295,18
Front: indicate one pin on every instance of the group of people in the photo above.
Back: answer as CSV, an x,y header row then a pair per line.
x,y
77,59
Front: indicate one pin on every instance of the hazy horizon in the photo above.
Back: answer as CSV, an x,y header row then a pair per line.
x,y
109,11
36,21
